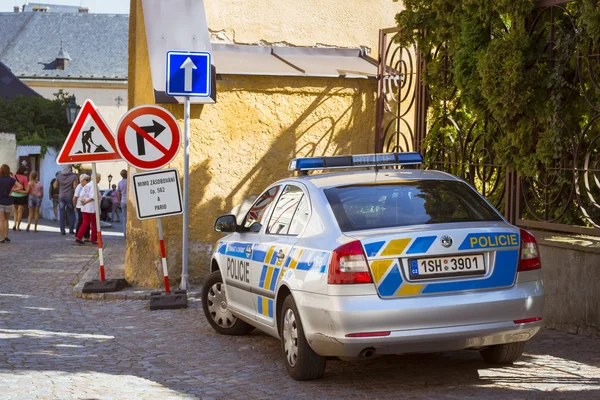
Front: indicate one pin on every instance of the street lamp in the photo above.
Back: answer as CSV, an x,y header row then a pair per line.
x,y
109,179
72,110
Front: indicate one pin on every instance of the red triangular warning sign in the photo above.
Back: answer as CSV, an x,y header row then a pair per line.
x,y
90,139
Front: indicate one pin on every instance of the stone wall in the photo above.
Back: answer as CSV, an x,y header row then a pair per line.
x,y
8,150
571,270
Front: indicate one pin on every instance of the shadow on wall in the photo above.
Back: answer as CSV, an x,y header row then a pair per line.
x,y
338,120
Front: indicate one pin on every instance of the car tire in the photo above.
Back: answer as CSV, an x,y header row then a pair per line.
x,y
503,354
214,305
301,362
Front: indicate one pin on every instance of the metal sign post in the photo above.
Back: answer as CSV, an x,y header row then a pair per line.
x,y
157,194
98,228
186,193
90,129
189,74
103,285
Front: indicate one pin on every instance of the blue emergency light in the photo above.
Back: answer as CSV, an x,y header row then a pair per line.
x,y
357,161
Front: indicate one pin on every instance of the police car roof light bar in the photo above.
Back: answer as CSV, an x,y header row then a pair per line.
x,y
356,161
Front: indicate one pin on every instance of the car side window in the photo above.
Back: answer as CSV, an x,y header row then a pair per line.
x,y
300,219
254,219
284,211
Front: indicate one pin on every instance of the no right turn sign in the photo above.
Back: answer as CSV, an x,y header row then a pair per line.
x,y
148,137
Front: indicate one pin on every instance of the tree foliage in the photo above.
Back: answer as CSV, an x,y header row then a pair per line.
x,y
485,60
35,120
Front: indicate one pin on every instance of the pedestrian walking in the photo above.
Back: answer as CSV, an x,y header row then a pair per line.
x,y
7,184
114,197
66,182
36,194
122,190
53,195
20,197
84,179
88,211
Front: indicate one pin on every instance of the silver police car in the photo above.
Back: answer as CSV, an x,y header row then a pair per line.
x,y
372,261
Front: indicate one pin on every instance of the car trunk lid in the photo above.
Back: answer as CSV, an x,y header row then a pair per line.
x,y
443,258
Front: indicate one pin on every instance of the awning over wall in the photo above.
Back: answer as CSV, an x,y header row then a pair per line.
x,y
230,59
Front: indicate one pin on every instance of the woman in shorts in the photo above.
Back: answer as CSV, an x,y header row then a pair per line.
x,y
7,183
19,197
36,193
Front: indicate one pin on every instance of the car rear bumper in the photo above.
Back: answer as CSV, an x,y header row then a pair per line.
x,y
420,324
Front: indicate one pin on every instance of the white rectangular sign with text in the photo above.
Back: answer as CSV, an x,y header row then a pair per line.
x,y
157,193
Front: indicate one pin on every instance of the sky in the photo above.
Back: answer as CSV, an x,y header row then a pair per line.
x,y
95,6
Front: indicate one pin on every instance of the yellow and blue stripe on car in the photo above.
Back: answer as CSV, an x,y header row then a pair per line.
x,y
264,306
391,283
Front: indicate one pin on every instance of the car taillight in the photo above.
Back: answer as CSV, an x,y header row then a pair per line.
x,y
530,255
349,265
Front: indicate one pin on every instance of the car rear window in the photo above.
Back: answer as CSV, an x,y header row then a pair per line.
x,y
388,205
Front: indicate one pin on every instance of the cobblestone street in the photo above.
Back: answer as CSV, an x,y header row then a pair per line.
x,y
54,345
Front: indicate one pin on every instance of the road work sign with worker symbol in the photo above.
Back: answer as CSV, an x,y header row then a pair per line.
x,y
148,137
90,139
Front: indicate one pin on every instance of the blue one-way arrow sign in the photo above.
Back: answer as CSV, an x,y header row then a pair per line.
x,y
188,73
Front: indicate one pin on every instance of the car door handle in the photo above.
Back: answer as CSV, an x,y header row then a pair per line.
x,y
280,255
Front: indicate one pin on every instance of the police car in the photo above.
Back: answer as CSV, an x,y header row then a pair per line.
x,y
375,260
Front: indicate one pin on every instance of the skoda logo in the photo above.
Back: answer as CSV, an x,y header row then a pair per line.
x,y
248,251
446,241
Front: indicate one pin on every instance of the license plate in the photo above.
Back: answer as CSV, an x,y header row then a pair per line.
x,y
421,268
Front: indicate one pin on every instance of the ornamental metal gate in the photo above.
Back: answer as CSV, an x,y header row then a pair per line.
x,y
564,197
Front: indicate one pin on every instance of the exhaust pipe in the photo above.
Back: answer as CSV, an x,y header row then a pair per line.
x,y
367,353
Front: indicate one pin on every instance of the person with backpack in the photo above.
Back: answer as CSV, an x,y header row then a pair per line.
x,y
19,196
66,182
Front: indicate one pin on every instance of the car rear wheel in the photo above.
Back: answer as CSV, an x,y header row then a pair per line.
x,y
214,304
301,362
503,354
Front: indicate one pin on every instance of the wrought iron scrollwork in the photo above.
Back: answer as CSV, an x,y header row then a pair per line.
x,y
397,96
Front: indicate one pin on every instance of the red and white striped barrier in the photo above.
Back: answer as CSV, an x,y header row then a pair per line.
x,y
98,227
163,254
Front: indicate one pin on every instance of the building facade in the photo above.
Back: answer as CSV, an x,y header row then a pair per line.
x,y
66,48
263,117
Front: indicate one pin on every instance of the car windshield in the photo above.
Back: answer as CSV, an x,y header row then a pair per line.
x,y
385,205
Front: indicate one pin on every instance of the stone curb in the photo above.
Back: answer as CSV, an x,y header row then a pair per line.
x,y
129,294
90,272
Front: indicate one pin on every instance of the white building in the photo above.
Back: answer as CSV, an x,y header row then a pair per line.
x,y
83,54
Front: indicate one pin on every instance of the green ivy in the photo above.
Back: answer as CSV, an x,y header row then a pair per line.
x,y
484,63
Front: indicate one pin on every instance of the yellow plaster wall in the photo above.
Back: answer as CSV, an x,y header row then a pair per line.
x,y
244,142
343,23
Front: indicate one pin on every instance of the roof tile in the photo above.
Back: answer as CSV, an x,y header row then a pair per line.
x,y
96,43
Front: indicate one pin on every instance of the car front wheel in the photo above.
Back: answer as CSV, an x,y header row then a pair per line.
x,y
301,362
503,354
214,304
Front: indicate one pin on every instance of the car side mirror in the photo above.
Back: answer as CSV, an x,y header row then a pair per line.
x,y
226,223
255,227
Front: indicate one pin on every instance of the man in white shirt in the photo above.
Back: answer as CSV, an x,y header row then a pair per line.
x,y
83,180
88,211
